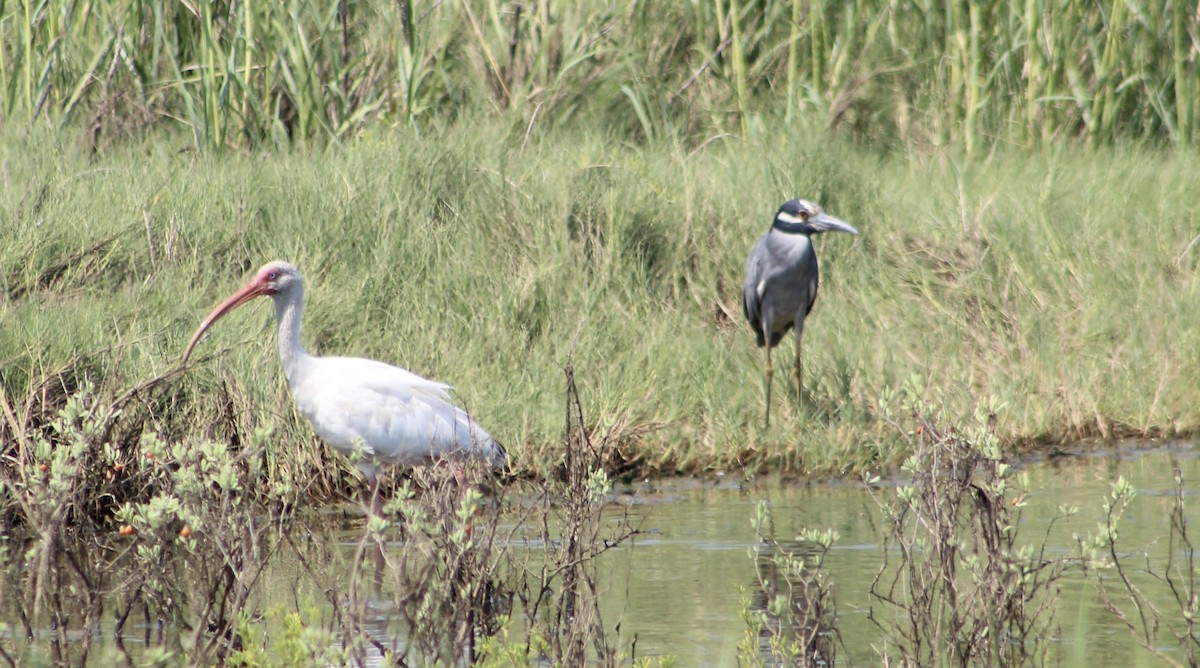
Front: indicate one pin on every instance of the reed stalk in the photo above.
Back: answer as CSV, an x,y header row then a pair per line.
x,y
793,60
1181,50
739,64
313,72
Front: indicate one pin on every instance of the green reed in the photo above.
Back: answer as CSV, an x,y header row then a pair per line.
x,y
252,73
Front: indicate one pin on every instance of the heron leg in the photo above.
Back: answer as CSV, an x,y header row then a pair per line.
x,y
798,369
770,372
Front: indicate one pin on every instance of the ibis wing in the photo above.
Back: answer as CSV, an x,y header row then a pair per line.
x,y
384,377
396,416
410,427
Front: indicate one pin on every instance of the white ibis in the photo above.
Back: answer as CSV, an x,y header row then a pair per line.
x,y
387,414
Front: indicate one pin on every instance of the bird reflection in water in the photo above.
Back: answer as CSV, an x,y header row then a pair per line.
x,y
794,601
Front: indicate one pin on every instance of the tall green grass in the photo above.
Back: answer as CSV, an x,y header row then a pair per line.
x,y
1058,286
266,74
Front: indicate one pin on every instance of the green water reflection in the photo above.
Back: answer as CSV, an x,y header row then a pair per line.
x,y
679,589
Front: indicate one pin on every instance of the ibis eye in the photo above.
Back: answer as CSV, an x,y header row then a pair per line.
x,y
273,275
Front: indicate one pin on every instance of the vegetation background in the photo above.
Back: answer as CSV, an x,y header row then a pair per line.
x,y
485,191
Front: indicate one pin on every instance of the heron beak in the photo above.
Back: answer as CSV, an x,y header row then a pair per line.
x,y
827,223
250,291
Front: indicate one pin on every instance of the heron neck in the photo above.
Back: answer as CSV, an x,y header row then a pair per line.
x,y
287,332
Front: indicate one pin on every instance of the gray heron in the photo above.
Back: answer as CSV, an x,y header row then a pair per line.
x,y
781,279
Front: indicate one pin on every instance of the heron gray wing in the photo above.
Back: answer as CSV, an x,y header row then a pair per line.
x,y
786,285
810,278
754,287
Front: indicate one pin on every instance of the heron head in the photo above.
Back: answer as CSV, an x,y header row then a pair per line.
x,y
800,216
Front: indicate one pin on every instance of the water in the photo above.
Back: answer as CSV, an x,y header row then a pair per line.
x,y
680,587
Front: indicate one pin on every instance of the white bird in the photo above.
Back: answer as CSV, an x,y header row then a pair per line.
x,y
361,407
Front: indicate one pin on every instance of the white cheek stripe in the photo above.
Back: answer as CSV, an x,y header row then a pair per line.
x,y
789,218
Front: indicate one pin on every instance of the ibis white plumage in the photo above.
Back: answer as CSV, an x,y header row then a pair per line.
x,y
385,413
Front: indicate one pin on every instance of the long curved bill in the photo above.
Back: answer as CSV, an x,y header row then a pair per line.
x,y
828,223
250,291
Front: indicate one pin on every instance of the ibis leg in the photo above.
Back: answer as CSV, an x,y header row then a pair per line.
x,y
377,554
770,372
376,499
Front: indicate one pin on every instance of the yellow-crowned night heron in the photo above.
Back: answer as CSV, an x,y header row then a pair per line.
x,y
781,279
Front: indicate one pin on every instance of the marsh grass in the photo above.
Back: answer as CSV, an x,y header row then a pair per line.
x,y
115,536
959,584
423,582
275,74
1059,283
1128,586
183,565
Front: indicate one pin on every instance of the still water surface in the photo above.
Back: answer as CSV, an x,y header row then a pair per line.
x,y
678,588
